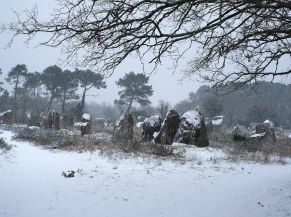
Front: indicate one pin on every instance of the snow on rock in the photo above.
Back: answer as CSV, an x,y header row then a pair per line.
x,y
150,126
192,117
169,128
192,129
86,117
139,124
269,122
33,127
5,112
124,129
153,121
258,135
217,120
80,124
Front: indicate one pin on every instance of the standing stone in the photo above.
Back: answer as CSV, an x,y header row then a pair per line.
x,y
86,124
192,129
124,129
6,117
54,120
68,121
33,119
265,133
150,126
44,124
169,128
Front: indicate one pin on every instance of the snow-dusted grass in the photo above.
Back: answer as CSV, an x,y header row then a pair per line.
x,y
32,184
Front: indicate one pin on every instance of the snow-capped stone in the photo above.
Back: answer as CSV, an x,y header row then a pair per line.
x,y
169,128
6,117
124,130
151,125
217,120
192,129
139,124
269,122
86,117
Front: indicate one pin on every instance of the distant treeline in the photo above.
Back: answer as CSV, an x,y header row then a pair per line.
x,y
250,103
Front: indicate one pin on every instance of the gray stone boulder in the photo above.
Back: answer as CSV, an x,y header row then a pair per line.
x,y
54,120
43,122
192,129
33,119
50,120
169,128
150,126
86,123
124,128
265,133
239,133
6,117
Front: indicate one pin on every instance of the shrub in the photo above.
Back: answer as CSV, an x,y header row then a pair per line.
x,y
4,145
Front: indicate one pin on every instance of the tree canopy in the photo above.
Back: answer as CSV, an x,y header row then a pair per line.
x,y
135,89
253,37
87,80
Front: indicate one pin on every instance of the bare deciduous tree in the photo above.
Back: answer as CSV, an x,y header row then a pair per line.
x,y
251,36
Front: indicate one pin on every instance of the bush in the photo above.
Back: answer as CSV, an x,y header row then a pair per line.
x,y
4,146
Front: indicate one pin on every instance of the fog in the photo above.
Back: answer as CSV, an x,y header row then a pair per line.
x,y
168,84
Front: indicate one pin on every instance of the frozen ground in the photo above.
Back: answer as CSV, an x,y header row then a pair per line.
x,y
31,185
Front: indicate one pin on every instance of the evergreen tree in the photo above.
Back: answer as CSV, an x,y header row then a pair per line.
x,y
135,89
89,79
52,83
68,87
16,77
32,83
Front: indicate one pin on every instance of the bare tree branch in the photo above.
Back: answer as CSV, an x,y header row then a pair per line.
x,y
253,37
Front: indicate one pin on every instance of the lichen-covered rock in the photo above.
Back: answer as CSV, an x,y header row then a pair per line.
x,y
192,129
169,128
150,126
124,129
86,124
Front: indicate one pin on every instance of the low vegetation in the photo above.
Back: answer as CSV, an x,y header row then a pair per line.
x,y
4,146
103,141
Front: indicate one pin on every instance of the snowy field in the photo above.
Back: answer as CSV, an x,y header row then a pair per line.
x,y
32,185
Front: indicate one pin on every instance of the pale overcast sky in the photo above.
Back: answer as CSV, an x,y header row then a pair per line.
x,y
167,86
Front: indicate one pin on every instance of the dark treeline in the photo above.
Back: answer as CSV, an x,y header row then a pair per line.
x,y
65,91
251,103
51,89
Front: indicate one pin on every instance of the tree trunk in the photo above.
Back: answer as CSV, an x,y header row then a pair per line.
x,y
36,101
83,98
63,103
15,99
129,105
50,103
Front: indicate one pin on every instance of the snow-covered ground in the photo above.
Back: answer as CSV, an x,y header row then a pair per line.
x,y
31,184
